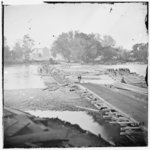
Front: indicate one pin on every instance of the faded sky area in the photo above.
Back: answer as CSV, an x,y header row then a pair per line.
x,y
125,22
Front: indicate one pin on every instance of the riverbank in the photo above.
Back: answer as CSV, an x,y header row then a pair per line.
x,y
62,94
56,62
35,132
30,62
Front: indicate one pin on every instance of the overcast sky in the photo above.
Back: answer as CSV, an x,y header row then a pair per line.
x,y
125,22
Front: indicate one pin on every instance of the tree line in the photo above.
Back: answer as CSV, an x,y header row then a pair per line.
x,y
80,47
20,51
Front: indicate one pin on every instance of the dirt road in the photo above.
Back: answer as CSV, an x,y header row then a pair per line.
x,y
125,101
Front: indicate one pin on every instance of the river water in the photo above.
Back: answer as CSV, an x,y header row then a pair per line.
x,y
22,77
27,77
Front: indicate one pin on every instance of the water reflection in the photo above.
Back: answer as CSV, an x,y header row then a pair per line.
x,y
22,77
85,121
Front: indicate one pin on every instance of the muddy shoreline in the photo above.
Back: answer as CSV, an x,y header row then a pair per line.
x,y
62,93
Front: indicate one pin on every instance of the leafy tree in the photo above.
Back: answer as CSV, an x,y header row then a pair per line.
x,y
18,51
108,41
61,46
92,47
76,46
140,51
27,46
125,55
109,53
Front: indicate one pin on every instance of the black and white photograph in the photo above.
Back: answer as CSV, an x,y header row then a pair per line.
x,y
75,74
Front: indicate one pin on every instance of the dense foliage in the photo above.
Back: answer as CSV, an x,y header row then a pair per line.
x,y
81,47
20,51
